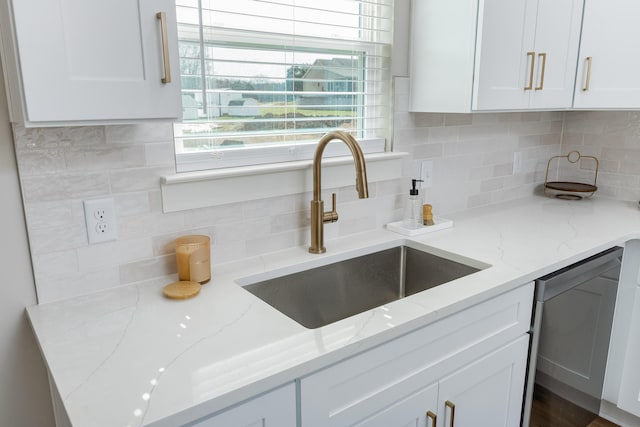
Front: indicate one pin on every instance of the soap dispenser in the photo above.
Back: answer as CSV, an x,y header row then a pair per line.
x,y
413,209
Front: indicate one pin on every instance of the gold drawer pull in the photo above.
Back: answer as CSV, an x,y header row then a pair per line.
x,y
532,55
451,406
586,84
433,418
162,17
542,56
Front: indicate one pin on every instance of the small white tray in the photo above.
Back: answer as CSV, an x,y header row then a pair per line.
x,y
438,224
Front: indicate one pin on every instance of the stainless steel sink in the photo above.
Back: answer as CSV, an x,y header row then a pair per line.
x,y
323,295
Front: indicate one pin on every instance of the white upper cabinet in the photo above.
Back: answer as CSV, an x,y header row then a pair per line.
x,y
72,61
441,55
505,50
609,64
526,54
492,55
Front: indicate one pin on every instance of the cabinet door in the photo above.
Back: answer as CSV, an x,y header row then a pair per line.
x,y
441,55
556,52
527,52
609,45
274,409
487,392
90,60
629,398
506,33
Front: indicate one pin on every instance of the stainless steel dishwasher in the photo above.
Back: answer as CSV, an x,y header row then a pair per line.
x,y
570,332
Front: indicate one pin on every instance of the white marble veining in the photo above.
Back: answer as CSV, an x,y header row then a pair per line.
x,y
129,357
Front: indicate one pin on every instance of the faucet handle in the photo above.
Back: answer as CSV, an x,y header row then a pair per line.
x,y
332,215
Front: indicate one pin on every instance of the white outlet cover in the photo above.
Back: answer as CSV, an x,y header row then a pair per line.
x,y
426,173
517,162
100,217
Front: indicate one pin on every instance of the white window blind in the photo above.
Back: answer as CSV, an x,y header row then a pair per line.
x,y
263,80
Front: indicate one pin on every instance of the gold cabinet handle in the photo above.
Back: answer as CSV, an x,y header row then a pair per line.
x,y
450,405
433,418
532,55
162,17
542,56
588,80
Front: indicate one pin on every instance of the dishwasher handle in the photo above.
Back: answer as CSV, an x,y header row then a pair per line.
x,y
556,283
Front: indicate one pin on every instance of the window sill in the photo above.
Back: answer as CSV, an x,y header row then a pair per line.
x,y
192,190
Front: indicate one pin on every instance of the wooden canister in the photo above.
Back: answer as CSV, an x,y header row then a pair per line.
x,y
193,256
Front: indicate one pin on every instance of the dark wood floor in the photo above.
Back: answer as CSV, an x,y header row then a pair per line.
x,y
550,410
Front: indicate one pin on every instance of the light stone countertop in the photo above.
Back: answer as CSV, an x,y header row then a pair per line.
x,y
130,357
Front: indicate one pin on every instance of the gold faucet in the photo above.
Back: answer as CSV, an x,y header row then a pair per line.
x,y
318,215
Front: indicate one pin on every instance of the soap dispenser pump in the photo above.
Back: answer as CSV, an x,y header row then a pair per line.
x,y
413,209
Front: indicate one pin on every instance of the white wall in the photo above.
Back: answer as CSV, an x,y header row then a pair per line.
x,y
24,392
472,157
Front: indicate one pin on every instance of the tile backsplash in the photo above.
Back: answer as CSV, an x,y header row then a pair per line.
x,y
472,157
473,154
614,138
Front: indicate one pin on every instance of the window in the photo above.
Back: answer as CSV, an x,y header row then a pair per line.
x,y
263,80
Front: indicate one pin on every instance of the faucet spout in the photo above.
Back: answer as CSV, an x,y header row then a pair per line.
x,y
318,215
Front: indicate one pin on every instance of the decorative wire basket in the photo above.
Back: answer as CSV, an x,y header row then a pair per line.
x,y
567,189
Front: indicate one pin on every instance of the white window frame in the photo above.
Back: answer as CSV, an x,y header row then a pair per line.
x,y
290,151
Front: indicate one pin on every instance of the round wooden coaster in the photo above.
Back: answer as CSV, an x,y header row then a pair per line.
x,y
181,290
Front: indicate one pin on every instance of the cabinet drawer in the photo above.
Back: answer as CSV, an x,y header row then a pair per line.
x,y
276,408
353,390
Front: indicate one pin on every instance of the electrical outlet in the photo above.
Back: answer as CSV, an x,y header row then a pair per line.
x,y
102,228
100,217
426,173
99,214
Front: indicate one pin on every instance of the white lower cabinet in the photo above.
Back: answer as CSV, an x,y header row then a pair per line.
x,y
487,392
465,370
472,362
629,399
276,408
